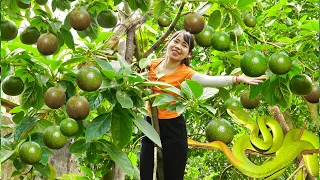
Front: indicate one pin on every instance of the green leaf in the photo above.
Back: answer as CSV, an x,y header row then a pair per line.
x,y
164,106
95,100
41,125
70,88
215,19
124,99
46,152
38,97
93,30
68,38
181,108
42,78
104,64
17,118
224,94
25,126
205,8
267,91
41,13
158,8
80,146
83,178
255,90
82,34
66,24
236,15
175,91
226,20
60,4
283,2
87,171
154,84
97,7
119,157
6,152
121,127
44,170
282,93
173,107
195,87
135,78
103,36
98,126
186,89
116,2
75,60
163,99
208,93
60,41
136,98
147,130
144,62
242,3
55,26
144,5
133,4
110,74
28,48
211,109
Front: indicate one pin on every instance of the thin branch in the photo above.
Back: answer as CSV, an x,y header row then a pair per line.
x,y
8,104
310,151
248,151
279,117
225,170
265,42
296,171
103,56
166,34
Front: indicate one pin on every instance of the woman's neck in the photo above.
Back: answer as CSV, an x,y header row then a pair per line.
x,y
170,64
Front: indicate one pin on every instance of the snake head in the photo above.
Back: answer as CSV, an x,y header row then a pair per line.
x,y
239,115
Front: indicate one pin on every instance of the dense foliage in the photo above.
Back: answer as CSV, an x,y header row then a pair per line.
x,y
114,126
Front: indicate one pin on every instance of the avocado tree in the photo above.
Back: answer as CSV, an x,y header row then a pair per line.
x,y
79,70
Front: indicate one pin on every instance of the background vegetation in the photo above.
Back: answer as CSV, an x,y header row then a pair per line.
x,y
112,130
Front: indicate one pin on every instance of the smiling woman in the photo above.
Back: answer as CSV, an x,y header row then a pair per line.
x,y
174,68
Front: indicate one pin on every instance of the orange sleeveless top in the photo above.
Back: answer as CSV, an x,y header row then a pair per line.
x,y
175,79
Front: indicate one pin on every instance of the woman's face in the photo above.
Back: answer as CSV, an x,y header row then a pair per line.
x,y
178,48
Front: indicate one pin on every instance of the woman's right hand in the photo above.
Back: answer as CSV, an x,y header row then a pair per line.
x,y
251,80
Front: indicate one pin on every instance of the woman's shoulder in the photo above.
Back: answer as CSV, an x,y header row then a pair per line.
x,y
155,62
188,72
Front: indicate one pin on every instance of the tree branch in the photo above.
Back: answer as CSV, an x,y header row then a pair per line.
x,y
122,28
120,31
166,34
279,117
265,42
155,124
130,47
8,104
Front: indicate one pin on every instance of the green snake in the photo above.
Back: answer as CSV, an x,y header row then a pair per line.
x,y
286,148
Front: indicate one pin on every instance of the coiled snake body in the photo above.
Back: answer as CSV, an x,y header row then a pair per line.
x,y
286,148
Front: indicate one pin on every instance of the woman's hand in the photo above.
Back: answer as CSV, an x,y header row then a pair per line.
x,y
251,80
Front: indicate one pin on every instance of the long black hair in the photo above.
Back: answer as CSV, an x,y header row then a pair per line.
x,y
188,38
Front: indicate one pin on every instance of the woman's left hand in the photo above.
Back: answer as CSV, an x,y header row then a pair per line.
x,y
251,80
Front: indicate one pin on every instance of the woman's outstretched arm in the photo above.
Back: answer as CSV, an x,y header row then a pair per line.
x,y
220,81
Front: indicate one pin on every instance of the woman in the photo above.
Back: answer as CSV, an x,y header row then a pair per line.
x,y
174,69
